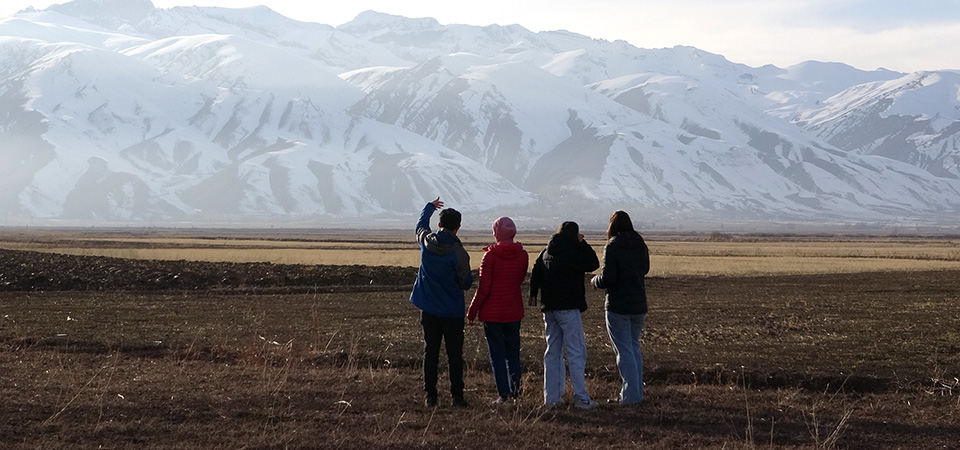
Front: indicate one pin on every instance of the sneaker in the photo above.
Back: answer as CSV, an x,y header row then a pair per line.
x,y
430,401
589,404
499,401
460,402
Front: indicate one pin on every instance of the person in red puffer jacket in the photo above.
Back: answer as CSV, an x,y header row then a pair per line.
x,y
498,303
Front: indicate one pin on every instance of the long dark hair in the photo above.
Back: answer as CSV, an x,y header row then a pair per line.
x,y
620,223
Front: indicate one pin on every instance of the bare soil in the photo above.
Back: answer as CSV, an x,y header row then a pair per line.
x,y
112,353
35,271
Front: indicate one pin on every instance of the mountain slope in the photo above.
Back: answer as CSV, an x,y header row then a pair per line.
x,y
120,111
193,126
914,119
697,140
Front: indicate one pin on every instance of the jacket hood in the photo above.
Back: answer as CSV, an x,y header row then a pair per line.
x,y
505,250
561,243
441,243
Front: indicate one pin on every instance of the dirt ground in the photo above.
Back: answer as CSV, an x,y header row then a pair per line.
x,y
111,353
35,271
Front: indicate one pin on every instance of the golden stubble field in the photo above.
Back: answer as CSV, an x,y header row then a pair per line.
x,y
671,255
305,339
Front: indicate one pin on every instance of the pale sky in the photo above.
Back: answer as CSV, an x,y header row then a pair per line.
x,y
900,35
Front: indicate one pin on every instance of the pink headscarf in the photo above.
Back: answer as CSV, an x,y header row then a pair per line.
x,y
504,229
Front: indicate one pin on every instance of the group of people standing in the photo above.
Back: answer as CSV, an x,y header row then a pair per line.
x,y
557,285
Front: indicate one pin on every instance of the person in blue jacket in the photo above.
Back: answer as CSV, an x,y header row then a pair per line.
x,y
443,277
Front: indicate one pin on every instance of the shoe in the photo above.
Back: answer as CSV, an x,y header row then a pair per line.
x,y
499,401
460,402
589,404
431,401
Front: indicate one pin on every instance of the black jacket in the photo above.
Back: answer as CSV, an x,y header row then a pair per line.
x,y
559,273
626,261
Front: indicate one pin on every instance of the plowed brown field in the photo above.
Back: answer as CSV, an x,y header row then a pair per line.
x,y
100,352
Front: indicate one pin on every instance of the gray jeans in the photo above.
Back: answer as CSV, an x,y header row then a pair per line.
x,y
564,331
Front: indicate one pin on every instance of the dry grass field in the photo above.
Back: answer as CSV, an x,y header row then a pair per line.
x,y
717,255
176,339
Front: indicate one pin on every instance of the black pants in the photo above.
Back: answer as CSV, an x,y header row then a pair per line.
x,y
449,330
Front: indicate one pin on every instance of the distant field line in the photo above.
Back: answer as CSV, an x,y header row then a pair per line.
x,y
758,266
760,263
947,250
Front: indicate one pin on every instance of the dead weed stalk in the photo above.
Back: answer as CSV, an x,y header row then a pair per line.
x,y
942,384
827,435
73,399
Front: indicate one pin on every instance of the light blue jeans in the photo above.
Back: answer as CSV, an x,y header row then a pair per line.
x,y
624,331
564,331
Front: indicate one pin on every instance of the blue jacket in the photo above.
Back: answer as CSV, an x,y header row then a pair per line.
x,y
444,272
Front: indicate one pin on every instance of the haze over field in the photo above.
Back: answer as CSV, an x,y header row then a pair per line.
x,y
121,112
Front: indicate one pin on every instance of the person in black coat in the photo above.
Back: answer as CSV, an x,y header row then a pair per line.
x,y
559,275
626,261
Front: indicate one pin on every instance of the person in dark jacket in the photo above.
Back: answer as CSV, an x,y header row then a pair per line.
x,y
438,291
558,275
626,261
498,303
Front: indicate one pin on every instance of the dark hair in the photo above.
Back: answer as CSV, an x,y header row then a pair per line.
x,y
450,219
620,223
569,229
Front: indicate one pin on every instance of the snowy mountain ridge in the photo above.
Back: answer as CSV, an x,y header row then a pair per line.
x,y
118,111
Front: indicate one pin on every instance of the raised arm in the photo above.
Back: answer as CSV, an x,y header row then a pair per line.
x,y
423,225
587,257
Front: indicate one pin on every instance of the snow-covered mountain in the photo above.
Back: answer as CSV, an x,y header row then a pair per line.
x,y
116,110
914,118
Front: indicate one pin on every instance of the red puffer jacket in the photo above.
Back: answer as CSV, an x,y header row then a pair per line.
x,y
499,297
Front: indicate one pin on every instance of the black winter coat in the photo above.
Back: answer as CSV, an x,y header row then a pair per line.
x,y
559,273
626,261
